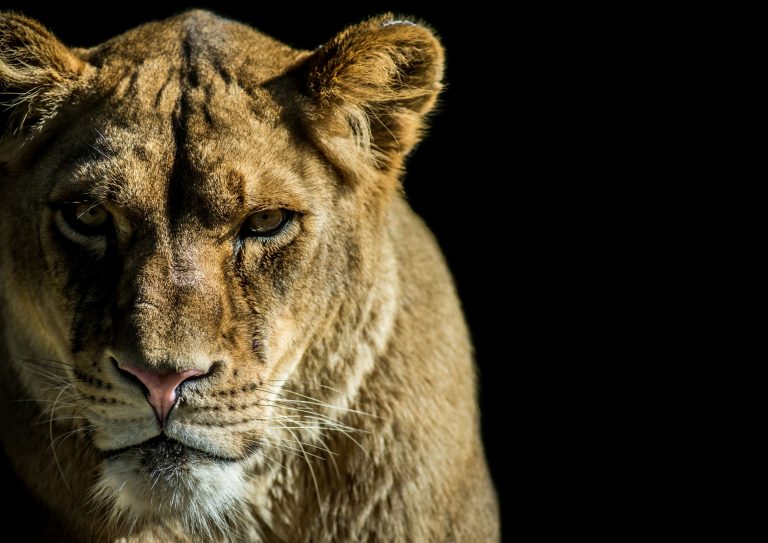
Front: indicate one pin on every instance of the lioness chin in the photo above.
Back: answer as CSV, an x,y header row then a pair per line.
x,y
221,321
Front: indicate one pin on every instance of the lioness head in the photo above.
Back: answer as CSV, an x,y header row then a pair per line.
x,y
192,236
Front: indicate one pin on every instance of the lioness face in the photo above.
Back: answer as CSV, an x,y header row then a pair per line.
x,y
183,245
181,238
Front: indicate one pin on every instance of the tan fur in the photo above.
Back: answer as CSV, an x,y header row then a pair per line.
x,y
341,400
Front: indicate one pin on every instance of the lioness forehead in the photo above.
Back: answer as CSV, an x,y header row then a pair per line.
x,y
183,122
164,168
201,42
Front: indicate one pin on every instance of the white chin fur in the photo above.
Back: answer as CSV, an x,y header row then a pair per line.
x,y
198,495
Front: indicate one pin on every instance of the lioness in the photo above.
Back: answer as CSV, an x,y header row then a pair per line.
x,y
221,321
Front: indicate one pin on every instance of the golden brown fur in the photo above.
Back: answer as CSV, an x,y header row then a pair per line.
x,y
339,403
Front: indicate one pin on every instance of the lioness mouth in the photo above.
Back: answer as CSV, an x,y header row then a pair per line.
x,y
165,449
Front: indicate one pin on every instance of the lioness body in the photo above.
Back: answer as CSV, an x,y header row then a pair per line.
x,y
336,397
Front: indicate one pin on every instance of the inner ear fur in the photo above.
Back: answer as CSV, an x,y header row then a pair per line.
x,y
37,75
369,90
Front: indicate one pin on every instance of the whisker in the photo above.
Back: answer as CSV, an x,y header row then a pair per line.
x,y
50,435
314,401
311,470
65,435
305,383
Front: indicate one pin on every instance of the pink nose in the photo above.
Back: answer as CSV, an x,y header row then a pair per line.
x,y
162,388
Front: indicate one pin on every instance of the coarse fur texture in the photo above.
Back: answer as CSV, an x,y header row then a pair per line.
x,y
336,401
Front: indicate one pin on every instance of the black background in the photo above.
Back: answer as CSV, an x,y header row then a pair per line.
x,y
454,179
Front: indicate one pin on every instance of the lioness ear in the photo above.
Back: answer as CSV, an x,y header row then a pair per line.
x,y
37,75
371,86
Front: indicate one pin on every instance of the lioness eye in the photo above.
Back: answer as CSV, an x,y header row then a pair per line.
x,y
267,222
86,218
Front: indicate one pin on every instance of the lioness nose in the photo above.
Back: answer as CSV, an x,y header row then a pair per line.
x,y
161,387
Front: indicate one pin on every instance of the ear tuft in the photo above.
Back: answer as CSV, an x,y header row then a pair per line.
x,y
37,74
398,22
378,78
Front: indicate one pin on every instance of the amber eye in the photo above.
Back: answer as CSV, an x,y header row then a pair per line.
x,y
267,222
86,218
